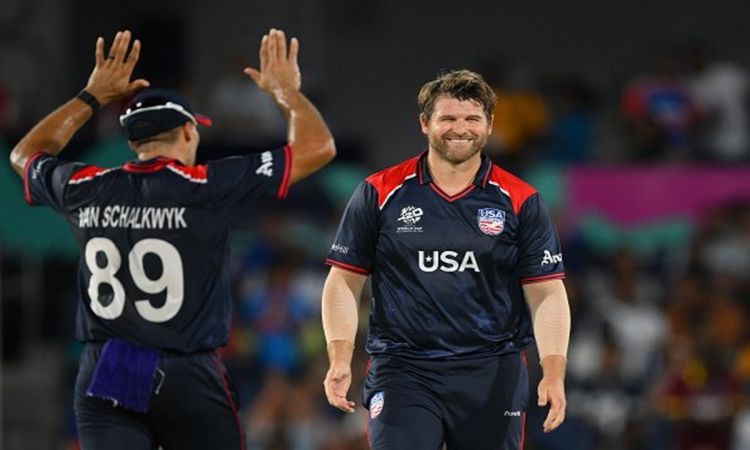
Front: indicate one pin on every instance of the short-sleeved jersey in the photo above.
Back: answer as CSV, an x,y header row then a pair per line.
x,y
447,270
153,240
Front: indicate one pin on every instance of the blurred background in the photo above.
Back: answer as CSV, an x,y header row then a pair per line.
x,y
629,116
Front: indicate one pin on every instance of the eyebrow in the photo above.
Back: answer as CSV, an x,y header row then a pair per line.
x,y
454,116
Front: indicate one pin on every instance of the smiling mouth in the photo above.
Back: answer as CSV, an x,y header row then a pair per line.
x,y
459,141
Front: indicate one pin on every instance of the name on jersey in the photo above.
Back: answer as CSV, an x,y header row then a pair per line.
x,y
447,261
135,217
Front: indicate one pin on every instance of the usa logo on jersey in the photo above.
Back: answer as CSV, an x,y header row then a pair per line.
x,y
376,405
491,220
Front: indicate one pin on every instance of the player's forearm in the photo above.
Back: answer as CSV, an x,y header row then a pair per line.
x,y
52,133
309,137
550,315
341,293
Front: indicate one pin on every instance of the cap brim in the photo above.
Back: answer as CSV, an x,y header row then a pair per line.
x,y
203,120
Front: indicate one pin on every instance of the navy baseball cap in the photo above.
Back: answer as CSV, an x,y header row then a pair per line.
x,y
155,110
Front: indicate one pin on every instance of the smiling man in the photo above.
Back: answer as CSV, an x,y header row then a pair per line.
x,y
466,272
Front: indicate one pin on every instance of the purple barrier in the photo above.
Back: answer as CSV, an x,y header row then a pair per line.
x,y
636,195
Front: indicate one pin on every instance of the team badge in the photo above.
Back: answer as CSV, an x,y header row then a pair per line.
x,y
376,405
491,220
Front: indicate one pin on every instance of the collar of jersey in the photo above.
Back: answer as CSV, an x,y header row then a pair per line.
x,y
480,180
149,165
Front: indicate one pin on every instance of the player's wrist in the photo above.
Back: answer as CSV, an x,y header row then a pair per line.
x,y
340,351
98,94
88,97
288,98
554,366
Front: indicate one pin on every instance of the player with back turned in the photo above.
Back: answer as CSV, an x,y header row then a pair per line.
x,y
466,271
153,276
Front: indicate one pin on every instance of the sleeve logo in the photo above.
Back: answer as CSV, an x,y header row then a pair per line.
x,y
549,258
340,248
266,166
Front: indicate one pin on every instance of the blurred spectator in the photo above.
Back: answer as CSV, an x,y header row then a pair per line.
x,y
9,111
700,398
627,299
661,111
570,138
243,115
720,90
276,313
521,116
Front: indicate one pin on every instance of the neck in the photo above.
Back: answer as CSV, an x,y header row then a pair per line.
x,y
453,178
171,152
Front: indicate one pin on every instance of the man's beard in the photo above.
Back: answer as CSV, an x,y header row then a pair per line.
x,y
453,155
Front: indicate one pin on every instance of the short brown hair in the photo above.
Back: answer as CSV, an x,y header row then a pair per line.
x,y
460,84
165,137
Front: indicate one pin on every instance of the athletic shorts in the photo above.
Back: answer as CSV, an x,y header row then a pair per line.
x,y
472,404
193,406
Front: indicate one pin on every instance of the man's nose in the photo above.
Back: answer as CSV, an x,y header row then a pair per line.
x,y
460,126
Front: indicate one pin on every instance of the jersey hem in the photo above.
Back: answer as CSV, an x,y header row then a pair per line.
x,y
539,279
348,267
26,186
284,188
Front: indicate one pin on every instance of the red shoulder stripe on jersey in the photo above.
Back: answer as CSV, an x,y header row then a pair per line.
x,y
514,187
349,267
284,188
196,174
539,279
26,186
86,174
388,181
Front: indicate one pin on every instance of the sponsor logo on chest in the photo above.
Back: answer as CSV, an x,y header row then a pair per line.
x,y
447,261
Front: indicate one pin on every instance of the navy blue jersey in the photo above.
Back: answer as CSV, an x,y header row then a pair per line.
x,y
153,240
447,270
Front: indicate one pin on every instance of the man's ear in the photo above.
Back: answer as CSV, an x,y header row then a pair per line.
x,y
423,123
187,132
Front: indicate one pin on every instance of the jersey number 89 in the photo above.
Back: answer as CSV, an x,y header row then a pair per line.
x,y
171,278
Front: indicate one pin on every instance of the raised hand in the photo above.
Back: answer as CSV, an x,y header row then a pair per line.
x,y
110,79
279,73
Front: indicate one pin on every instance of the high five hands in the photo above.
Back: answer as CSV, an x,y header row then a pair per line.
x,y
110,79
279,73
